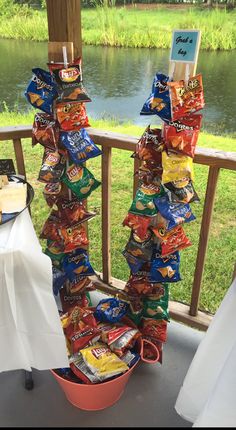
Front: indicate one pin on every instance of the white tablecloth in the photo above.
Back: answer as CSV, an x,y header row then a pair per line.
x,y
207,397
31,335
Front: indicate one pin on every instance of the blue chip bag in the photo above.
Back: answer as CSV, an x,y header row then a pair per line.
x,y
111,310
165,269
158,101
80,145
59,279
174,213
77,263
41,90
134,263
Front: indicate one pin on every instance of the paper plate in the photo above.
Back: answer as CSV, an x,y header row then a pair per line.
x,y
30,196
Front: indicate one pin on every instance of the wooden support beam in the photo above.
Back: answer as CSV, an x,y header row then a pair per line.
x,y
204,236
64,23
135,181
106,214
19,157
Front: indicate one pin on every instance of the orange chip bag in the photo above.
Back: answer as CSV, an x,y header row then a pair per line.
x,y
186,99
72,116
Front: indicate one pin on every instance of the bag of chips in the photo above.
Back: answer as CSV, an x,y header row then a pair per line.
x,y
73,236
79,145
150,146
142,249
186,99
53,166
156,329
51,229
81,370
72,211
176,166
140,284
143,203
125,341
80,180
139,224
72,116
174,213
158,101
182,136
69,300
54,251
165,269
175,240
157,308
77,263
45,131
59,278
78,284
51,192
181,191
41,90
111,310
69,81
135,263
102,361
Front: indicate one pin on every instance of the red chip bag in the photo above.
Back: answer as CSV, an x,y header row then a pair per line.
x,y
45,131
156,329
181,136
174,240
139,224
73,211
74,236
72,116
186,99
150,146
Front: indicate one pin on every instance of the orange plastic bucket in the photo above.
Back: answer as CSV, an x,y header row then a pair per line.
x,y
94,397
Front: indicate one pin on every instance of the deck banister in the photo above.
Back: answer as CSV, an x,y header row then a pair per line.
x,y
106,214
213,158
203,238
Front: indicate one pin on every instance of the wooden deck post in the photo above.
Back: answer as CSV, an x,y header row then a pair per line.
x,y
64,24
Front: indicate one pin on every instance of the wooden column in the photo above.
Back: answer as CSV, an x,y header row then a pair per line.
x,y
64,23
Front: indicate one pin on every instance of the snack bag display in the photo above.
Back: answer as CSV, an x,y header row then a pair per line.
x,y
181,136
174,213
158,101
72,116
186,98
176,166
53,166
80,180
165,269
45,131
79,145
41,90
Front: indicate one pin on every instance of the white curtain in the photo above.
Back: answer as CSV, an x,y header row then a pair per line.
x,y
30,330
208,394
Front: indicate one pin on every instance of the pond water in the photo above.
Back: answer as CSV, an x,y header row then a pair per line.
x,y
119,80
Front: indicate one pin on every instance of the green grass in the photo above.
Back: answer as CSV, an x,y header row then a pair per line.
x,y
132,27
221,250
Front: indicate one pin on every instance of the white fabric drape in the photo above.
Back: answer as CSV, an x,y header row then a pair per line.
x,y
30,330
208,394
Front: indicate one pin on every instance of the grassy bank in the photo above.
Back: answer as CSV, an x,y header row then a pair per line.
x,y
133,27
221,251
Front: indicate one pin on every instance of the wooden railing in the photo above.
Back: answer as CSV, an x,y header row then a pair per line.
x,y
215,159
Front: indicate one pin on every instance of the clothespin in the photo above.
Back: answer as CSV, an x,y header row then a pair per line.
x,y
187,74
172,70
65,61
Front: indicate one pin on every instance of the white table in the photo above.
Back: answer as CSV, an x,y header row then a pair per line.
x,y
31,334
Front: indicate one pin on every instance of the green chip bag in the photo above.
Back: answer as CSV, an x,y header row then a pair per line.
x,y
80,180
143,203
157,308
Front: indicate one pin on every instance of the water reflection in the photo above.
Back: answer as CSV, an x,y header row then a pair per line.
x,y
119,80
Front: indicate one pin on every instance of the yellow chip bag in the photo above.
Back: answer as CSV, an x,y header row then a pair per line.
x,y
176,166
102,361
